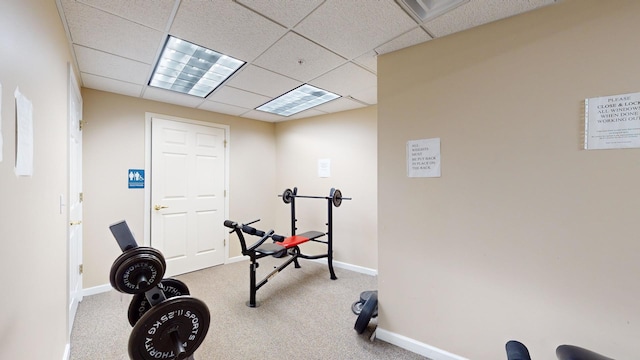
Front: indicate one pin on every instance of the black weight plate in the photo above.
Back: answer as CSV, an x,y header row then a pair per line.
x,y
151,337
287,196
337,198
356,307
140,305
366,294
132,265
370,306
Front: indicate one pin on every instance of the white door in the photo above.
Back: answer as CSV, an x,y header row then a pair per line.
x,y
75,198
187,194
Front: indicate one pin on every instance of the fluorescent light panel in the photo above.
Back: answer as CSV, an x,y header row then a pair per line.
x,y
297,100
426,10
191,69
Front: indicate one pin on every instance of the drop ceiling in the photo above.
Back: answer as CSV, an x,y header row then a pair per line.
x,y
330,44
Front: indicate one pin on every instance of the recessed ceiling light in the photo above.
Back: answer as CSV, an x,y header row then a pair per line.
x,y
191,69
299,99
425,10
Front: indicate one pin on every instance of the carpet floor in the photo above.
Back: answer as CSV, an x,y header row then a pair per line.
x,y
303,314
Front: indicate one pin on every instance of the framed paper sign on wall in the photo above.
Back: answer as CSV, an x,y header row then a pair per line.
x,y
612,122
423,158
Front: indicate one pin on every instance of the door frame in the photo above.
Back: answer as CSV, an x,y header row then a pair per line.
x,y
147,165
76,253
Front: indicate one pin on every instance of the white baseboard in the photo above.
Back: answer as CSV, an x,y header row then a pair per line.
x,y
347,266
356,268
96,290
67,352
236,259
338,264
414,346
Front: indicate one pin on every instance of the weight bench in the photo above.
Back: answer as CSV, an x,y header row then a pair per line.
x,y
281,245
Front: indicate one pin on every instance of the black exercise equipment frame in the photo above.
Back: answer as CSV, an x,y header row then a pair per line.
x,y
260,249
329,233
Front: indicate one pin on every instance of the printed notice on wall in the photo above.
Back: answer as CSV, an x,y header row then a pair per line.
x,y
423,158
1,122
24,135
612,122
324,168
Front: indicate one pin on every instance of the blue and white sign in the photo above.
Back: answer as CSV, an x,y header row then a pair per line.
x,y
136,178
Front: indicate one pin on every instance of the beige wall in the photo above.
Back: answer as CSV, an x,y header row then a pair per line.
x,y
526,235
348,139
114,141
33,229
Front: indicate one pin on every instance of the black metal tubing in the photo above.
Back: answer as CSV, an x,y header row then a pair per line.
x,y
254,255
329,242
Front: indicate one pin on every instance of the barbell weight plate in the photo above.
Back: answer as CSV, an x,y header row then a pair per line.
x,y
180,322
368,309
366,294
287,196
337,198
356,307
135,264
140,305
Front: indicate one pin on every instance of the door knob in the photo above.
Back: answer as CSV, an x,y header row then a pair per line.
x,y
158,207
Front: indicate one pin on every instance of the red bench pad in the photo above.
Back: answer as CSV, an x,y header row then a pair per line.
x,y
296,240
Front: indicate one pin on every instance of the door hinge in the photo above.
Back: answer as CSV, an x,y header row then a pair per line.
x,y
225,143
225,193
80,269
81,197
224,242
80,124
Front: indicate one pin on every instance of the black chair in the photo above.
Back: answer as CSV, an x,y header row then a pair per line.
x,y
570,352
518,351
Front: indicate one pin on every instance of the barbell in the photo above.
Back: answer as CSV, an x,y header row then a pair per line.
x,y
335,195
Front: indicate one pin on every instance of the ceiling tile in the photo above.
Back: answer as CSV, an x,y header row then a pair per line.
x,y
258,80
351,28
172,97
156,16
367,96
223,108
368,60
111,66
413,37
285,12
476,13
225,27
298,58
97,29
346,79
232,96
264,116
105,84
340,104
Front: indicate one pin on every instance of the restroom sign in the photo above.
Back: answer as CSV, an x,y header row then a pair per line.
x,y
136,178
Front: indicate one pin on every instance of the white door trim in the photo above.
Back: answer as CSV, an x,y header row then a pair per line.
x,y
74,251
147,165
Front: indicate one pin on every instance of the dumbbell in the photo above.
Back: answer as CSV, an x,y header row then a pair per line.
x,y
367,310
335,195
